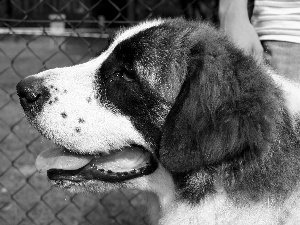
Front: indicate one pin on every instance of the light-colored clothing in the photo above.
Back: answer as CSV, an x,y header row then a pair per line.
x,y
283,57
277,23
277,20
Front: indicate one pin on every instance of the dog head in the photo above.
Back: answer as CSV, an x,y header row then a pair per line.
x,y
165,99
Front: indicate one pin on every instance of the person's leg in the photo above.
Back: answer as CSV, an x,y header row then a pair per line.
x,y
284,57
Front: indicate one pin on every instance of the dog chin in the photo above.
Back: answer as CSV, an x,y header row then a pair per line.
x,y
90,186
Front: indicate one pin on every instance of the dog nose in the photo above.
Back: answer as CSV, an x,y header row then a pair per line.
x,y
32,94
29,90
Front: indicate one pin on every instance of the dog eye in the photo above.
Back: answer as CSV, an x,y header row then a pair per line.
x,y
126,75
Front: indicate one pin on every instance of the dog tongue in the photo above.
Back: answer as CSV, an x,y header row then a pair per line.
x,y
60,158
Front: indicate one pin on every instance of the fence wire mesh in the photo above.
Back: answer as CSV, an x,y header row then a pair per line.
x,y
41,34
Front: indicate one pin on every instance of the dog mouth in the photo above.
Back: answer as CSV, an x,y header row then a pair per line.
x,y
119,165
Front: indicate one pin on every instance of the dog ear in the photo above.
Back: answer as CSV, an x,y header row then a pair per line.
x,y
224,108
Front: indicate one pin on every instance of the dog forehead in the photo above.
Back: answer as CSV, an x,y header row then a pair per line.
x,y
126,34
153,51
122,37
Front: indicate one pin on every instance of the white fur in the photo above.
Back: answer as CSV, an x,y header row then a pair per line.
x,y
218,209
291,91
73,96
126,34
104,129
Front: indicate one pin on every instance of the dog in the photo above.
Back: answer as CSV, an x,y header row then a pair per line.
x,y
174,108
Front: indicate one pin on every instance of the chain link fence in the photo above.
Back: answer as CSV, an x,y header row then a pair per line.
x,y
41,34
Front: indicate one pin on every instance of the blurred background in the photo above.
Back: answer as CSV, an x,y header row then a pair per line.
x,y
36,35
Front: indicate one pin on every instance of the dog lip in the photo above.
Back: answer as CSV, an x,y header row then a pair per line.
x,y
91,172
143,163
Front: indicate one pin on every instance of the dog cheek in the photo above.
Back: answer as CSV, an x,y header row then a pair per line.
x,y
88,127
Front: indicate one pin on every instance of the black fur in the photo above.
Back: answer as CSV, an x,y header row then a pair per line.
x,y
225,98
133,97
215,119
227,122
148,53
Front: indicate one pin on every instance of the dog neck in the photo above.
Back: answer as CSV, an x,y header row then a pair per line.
x,y
219,209
166,208
291,93
161,184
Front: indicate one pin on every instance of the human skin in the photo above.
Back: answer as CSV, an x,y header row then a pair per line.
x,y
234,20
